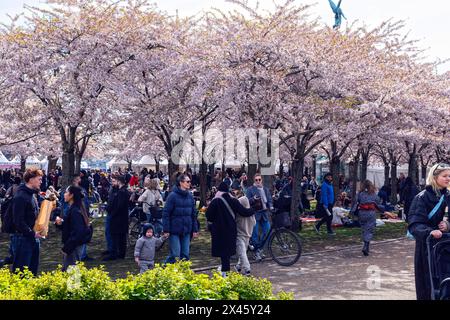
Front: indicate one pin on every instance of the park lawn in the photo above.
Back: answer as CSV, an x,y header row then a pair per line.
x,y
200,248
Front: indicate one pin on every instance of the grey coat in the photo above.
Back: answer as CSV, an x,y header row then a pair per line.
x,y
145,248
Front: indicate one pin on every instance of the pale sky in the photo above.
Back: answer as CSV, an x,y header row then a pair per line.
x,y
427,21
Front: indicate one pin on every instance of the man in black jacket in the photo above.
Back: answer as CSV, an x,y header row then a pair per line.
x,y
25,240
118,209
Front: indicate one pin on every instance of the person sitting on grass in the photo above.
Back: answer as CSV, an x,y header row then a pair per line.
x,y
144,251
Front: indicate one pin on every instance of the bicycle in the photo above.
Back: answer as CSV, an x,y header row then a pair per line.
x,y
284,245
137,220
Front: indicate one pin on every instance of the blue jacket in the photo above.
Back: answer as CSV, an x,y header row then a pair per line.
x,y
179,213
253,191
327,197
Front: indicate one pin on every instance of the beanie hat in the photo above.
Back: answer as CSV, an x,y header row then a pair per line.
x,y
236,185
223,187
145,228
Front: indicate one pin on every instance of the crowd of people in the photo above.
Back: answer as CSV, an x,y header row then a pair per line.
x,y
238,213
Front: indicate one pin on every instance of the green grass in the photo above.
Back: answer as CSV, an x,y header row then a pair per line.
x,y
200,248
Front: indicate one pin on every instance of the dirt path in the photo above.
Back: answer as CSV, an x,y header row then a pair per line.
x,y
347,274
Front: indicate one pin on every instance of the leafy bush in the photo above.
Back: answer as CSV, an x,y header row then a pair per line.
x,y
173,282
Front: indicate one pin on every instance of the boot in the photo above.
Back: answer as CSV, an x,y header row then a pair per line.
x,y
365,249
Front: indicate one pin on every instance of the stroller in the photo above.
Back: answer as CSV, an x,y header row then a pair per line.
x,y
439,265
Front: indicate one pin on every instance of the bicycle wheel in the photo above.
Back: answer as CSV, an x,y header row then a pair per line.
x,y
285,247
135,231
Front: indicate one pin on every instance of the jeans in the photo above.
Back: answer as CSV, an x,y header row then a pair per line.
x,y
179,247
83,253
109,244
25,253
327,219
257,238
241,250
71,259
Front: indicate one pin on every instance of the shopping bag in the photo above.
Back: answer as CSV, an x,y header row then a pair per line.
x,y
43,219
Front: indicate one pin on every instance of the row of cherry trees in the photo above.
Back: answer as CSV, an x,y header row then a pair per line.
x,y
110,78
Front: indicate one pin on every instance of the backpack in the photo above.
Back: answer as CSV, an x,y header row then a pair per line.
x,y
7,216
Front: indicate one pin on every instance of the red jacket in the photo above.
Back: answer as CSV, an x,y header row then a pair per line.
x,y
134,181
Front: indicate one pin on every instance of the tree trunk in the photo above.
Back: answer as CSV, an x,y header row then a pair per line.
x,y
335,165
394,183
424,173
173,169
52,161
203,183
354,174
314,165
78,159
413,167
157,165
281,168
23,163
364,165
297,171
386,174
68,168
68,157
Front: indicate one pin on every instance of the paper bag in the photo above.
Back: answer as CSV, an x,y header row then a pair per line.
x,y
43,219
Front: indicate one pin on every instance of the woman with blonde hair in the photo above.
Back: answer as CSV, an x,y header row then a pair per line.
x,y
150,197
435,197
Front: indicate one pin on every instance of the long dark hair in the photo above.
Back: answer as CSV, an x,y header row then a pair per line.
x,y
78,196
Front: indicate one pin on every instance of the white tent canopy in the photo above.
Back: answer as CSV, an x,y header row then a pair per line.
x,y
116,163
376,174
32,161
16,160
3,159
147,161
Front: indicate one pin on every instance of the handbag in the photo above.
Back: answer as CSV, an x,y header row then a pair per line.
x,y
430,215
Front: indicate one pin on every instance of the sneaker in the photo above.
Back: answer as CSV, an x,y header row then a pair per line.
x,y
258,257
219,268
261,253
224,274
316,229
247,273
332,233
251,247
237,268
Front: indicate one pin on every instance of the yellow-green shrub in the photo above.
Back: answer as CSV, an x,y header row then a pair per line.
x,y
173,282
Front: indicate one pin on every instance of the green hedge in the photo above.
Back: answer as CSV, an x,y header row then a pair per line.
x,y
173,282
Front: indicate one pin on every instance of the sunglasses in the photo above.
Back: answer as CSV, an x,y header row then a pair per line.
x,y
258,179
441,166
